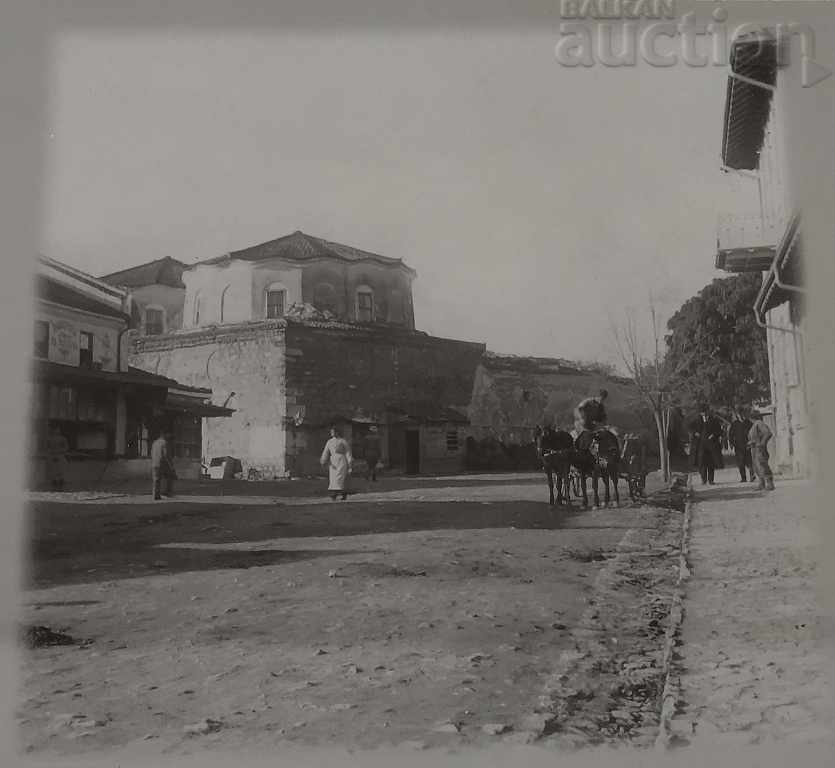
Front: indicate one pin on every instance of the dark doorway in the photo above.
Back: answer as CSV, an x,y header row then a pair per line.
x,y
412,452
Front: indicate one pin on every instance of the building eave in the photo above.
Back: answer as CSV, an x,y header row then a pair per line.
x,y
771,294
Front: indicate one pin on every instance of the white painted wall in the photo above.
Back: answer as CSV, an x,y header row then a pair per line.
x,y
238,289
65,327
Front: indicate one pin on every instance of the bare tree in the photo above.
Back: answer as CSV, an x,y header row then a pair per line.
x,y
649,375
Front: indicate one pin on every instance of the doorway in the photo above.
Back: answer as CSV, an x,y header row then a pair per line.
x,y
412,452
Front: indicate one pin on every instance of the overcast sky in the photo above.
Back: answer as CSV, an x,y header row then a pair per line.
x,y
532,199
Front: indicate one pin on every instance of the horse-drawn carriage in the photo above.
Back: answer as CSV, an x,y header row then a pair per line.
x,y
595,453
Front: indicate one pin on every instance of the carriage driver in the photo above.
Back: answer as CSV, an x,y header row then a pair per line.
x,y
591,414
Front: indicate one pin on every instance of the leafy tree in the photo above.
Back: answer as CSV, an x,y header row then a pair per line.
x,y
716,352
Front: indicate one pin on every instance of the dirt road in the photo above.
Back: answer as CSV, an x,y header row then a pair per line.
x,y
448,612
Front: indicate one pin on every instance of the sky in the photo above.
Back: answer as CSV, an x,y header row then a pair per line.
x,y
537,203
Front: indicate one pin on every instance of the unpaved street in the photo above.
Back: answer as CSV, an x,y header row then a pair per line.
x,y
429,613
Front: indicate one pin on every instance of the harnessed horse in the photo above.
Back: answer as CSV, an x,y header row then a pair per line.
x,y
555,448
598,454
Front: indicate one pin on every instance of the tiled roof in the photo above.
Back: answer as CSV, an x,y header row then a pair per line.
x,y
165,271
299,246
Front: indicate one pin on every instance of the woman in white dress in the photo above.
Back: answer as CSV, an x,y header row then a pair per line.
x,y
339,460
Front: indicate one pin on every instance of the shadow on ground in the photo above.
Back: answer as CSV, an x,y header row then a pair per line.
x,y
76,543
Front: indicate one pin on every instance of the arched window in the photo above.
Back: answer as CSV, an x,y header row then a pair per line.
x,y
223,304
324,298
397,312
365,304
197,309
276,301
154,320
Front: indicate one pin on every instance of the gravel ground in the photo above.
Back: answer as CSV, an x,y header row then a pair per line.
x,y
448,613
756,644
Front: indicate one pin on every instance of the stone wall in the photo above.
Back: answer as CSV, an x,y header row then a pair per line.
x,y
245,359
514,394
338,372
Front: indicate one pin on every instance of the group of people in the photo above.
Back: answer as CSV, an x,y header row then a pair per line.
x,y
748,435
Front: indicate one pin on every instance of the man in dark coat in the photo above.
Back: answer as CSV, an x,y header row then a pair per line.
x,y
738,438
706,430
371,445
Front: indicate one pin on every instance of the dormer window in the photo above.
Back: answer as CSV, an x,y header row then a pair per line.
x,y
365,305
154,321
276,297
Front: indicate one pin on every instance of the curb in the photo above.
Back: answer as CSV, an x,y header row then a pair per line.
x,y
671,694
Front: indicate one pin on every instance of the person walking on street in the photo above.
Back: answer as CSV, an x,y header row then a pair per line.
x,y
337,457
162,466
738,438
758,438
707,436
371,446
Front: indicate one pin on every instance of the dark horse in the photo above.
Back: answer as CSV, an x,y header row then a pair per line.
x,y
555,449
598,454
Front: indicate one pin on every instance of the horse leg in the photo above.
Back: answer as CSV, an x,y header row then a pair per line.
x,y
595,479
550,486
615,477
604,474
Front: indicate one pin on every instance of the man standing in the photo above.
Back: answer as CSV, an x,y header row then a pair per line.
x,y
758,438
162,466
738,438
371,446
634,457
707,436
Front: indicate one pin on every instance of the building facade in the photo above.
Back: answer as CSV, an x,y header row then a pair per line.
x,y
288,380
83,385
264,281
155,295
757,145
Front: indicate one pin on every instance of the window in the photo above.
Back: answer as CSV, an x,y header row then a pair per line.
x,y
188,437
452,440
85,350
41,339
62,403
365,305
275,302
154,322
197,309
